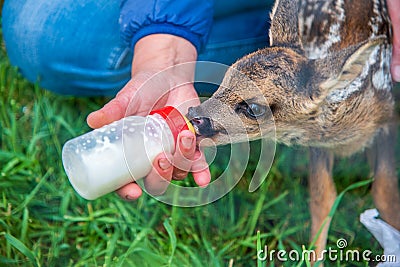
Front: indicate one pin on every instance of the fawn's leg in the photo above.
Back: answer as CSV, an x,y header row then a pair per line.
x,y
322,193
385,189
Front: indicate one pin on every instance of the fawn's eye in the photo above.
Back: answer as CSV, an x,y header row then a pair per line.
x,y
255,111
251,110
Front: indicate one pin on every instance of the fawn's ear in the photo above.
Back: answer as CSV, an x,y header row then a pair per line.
x,y
284,24
344,67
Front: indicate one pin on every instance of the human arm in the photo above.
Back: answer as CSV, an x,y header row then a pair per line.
x,y
162,34
153,55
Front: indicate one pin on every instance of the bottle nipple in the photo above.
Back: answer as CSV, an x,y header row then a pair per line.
x,y
175,120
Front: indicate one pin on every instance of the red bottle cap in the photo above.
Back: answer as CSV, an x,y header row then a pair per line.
x,y
175,120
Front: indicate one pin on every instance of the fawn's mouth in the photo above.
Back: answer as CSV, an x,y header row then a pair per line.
x,y
204,127
210,135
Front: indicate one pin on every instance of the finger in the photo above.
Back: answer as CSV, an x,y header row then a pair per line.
x,y
160,176
200,170
394,7
126,102
130,192
112,111
137,97
183,156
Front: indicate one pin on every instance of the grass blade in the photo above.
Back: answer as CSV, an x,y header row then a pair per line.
x,y
172,238
260,262
34,191
333,210
22,248
336,204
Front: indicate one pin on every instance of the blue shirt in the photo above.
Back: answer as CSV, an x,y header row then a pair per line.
x,y
74,47
190,19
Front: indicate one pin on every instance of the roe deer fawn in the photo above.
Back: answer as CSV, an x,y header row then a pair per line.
x,y
325,83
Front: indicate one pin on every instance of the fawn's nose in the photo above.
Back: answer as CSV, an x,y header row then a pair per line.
x,y
202,125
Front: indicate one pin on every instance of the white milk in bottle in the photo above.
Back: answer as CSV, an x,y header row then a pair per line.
x,y
110,157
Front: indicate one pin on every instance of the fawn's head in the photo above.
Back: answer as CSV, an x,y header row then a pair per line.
x,y
278,86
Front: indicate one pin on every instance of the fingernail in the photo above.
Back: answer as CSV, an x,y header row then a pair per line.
x,y
129,197
187,142
396,73
164,164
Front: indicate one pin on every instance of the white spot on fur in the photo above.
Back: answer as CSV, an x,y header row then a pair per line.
x,y
308,23
382,79
342,94
325,7
334,33
376,19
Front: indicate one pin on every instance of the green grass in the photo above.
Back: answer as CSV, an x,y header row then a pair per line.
x,y
43,222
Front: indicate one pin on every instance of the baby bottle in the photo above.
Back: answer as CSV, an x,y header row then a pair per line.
x,y
110,157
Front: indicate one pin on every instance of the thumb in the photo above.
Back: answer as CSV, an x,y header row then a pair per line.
x,y
112,111
116,109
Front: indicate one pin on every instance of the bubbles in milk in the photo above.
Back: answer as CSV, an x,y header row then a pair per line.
x,y
112,156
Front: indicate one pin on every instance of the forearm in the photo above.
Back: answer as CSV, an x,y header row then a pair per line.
x,y
159,51
163,54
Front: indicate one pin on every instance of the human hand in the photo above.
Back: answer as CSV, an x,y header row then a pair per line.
x,y
154,56
394,12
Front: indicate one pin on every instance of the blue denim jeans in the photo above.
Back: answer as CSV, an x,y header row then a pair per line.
x,y
73,47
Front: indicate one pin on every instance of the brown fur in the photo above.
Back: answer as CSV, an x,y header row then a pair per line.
x,y
324,83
